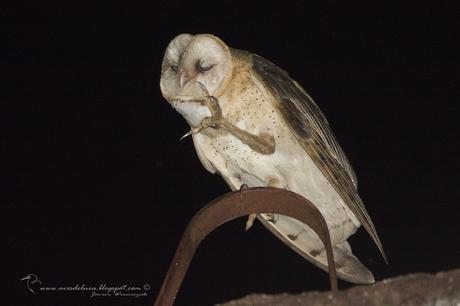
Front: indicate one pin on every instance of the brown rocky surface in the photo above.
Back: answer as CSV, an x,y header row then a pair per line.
x,y
417,289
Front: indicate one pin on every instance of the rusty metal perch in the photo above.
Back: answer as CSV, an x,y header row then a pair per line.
x,y
234,205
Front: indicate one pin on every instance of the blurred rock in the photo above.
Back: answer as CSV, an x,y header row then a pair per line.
x,y
418,289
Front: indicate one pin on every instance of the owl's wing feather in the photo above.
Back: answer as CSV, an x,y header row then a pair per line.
x,y
313,132
309,246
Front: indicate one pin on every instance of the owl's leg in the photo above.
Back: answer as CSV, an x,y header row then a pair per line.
x,y
262,143
271,182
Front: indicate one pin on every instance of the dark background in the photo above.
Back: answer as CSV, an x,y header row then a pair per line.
x,y
98,189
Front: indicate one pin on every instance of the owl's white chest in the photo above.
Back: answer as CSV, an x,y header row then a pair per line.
x,y
193,112
289,165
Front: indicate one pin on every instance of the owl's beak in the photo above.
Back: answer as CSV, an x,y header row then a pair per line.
x,y
185,77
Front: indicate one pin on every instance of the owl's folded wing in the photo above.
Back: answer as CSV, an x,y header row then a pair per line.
x,y
313,132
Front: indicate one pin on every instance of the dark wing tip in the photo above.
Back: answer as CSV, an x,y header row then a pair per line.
x,y
312,129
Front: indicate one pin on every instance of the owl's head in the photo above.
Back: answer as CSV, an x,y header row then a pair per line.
x,y
193,59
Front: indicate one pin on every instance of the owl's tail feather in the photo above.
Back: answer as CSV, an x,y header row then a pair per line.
x,y
302,239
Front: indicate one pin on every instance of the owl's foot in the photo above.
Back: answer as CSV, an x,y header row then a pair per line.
x,y
208,122
271,217
211,102
215,121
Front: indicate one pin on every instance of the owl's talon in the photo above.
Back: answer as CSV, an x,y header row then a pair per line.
x,y
271,217
250,221
186,134
205,123
205,90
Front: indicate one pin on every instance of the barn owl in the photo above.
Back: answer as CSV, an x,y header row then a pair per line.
x,y
254,125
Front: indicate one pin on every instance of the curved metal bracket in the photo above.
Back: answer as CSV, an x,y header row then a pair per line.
x,y
234,205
